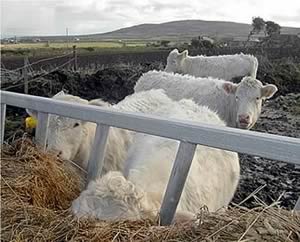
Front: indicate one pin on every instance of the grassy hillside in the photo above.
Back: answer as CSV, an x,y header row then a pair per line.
x,y
185,29
177,30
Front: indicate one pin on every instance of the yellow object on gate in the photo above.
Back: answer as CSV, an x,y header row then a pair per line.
x,y
30,122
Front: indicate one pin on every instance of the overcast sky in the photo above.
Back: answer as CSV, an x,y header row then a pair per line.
x,y
51,17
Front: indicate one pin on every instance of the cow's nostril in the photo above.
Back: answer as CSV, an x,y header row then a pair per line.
x,y
59,154
244,118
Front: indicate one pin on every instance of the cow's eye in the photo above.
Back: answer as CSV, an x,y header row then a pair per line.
x,y
76,125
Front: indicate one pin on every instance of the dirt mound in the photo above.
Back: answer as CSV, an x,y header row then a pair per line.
x,y
37,190
112,84
285,74
281,116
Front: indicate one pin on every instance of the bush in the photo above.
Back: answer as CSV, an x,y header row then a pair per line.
x,y
198,43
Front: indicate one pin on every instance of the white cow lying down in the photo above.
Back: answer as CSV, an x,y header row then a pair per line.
x,y
72,139
222,66
212,179
239,105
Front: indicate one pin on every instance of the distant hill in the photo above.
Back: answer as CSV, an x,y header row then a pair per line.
x,y
185,29
179,30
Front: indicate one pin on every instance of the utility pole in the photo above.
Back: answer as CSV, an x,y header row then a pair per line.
x,y
25,75
75,58
67,35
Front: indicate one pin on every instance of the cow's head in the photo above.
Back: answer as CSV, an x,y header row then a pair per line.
x,y
65,135
174,61
248,95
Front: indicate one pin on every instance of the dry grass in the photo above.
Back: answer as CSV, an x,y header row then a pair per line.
x,y
37,178
37,189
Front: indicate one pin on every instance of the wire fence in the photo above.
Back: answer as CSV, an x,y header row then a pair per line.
x,y
38,62
40,76
26,74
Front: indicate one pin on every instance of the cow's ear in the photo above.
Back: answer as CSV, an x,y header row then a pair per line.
x,y
268,91
185,53
61,93
175,51
32,113
182,55
229,87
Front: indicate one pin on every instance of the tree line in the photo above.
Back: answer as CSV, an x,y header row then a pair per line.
x,y
269,28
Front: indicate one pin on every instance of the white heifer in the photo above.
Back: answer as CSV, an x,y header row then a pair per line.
x,y
222,66
212,179
72,139
239,105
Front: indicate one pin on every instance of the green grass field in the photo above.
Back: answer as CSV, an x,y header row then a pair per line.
x,y
54,48
60,45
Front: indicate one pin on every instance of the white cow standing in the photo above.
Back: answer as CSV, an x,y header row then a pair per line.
x,y
212,179
224,67
239,105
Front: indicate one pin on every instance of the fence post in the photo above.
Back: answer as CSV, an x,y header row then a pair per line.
x,y
97,155
176,182
42,129
3,115
297,205
75,58
25,75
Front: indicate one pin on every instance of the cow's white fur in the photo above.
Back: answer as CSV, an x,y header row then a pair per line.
x,y
222,66
72,139
229,100
211,182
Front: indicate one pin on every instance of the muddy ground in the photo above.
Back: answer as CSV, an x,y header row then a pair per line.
x,y
280,115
